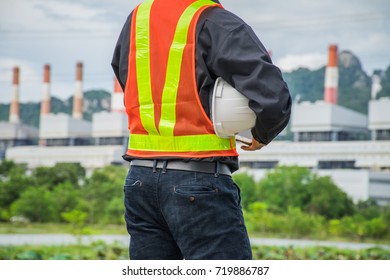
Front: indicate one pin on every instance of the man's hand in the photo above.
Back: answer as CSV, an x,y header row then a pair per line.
x,y
255,145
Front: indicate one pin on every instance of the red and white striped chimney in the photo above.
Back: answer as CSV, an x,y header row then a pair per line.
x,y
14,107
332,76
117,104
78,96
45,104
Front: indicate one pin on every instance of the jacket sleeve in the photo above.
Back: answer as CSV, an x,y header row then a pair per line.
x,y
237,55
120,58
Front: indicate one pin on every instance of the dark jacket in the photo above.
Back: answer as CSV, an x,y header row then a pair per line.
x,y
227,47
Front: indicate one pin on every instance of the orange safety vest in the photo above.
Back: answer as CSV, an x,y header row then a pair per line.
x,y
166,118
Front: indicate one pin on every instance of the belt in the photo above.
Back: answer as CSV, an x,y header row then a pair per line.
x,y
194,166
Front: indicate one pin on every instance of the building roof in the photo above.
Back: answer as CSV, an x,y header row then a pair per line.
x,y
325,117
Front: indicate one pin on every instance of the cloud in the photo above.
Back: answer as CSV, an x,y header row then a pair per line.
x,y
28,78
62,32
75,16
311,61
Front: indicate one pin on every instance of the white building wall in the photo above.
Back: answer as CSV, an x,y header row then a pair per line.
x,y
109,124
366,154
10,131
59,126
379,114
321,116
90,157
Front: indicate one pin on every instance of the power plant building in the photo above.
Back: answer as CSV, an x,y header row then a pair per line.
x,y
70,138
334,141
350,147
379,118
13,132
322,121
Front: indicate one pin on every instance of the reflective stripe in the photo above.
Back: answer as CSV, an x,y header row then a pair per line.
x,y
142,61
168,108
186,143
162,139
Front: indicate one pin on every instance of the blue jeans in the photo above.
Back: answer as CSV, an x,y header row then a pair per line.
x,y
184,215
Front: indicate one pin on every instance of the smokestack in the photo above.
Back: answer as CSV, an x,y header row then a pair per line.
x,y
376,83
14,108
45,105
78,96
331,77
117,98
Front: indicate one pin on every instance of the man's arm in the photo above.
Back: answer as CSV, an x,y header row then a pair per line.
x,y
120,56
235,53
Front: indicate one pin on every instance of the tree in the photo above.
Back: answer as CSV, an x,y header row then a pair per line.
x,y
285,187
298,187
5,167
248,189
34,204
60,173
369,208
99,190
65,198
328,200
13,181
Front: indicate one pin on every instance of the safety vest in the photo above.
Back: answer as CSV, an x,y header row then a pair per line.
x,y
166,118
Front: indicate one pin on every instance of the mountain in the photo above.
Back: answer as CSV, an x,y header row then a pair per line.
x,y
304,84
94,101
354,84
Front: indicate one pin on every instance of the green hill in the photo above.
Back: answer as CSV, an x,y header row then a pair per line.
x,y
304,84
354,84
94,101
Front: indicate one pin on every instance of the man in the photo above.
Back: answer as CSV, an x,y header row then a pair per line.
x,y
180,199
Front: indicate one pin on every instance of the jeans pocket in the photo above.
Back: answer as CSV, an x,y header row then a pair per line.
x,y
194,189
132,183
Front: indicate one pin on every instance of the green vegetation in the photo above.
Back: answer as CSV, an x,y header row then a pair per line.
x,y
289,202
102,251
293,202
61,228
95,251
61,194
94,101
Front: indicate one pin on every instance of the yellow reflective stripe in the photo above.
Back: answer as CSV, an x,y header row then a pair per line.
x,y
142,61
168,108
187,143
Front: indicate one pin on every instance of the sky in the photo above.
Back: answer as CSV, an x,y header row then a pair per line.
x,y
63,32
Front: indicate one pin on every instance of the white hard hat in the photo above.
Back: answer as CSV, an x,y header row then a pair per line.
x,y
230,112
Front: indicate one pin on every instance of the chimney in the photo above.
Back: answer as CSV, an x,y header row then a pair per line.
x,y
331,76
78,96
14,108
376,83
45,104
117,104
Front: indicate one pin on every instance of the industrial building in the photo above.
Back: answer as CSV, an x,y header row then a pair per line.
x,y
334,141
13,132
352,148
70,138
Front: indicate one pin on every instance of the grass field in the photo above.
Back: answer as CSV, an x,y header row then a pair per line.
x,y
103,251
47,228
